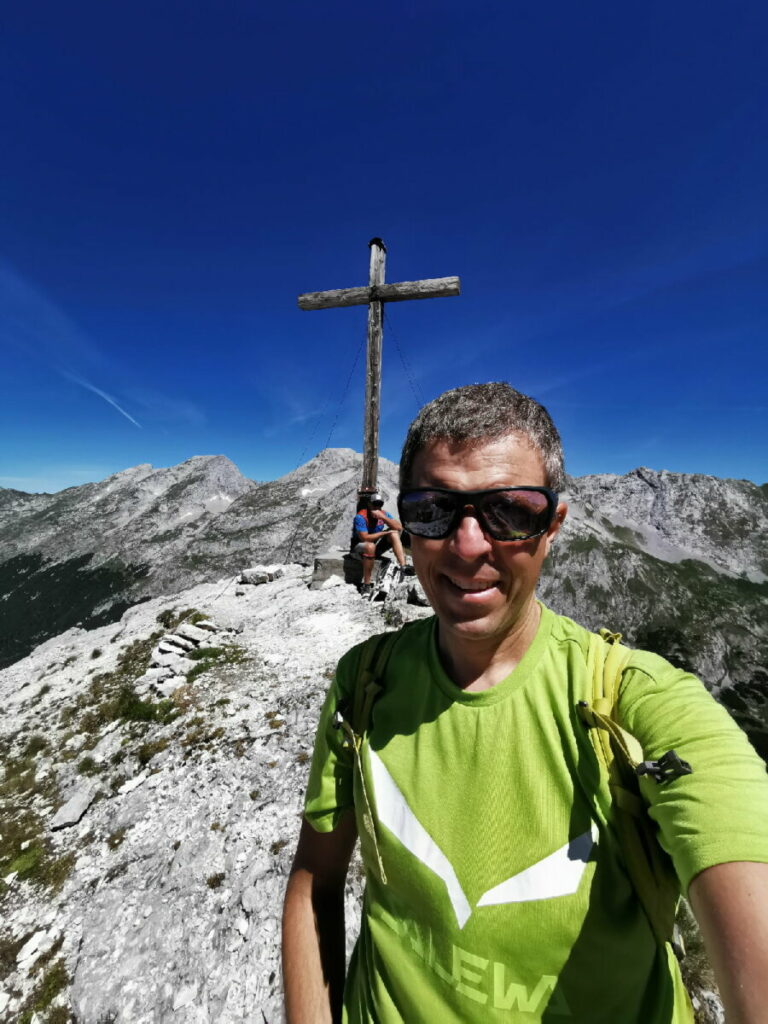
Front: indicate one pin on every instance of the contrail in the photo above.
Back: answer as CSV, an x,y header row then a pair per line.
x,y
101,394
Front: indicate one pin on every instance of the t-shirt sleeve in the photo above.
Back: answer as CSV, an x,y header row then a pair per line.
x,y
359,524
719,813
330,787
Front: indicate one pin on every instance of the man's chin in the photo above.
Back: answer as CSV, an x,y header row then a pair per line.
x,y
470,624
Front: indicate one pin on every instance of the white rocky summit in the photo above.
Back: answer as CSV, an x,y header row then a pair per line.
x,y
150,836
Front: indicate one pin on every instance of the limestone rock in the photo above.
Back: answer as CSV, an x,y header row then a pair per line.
x,y
185,997
256,575
178,664
173,640
194,633
134,783
249,898
32,948
170,686
74,808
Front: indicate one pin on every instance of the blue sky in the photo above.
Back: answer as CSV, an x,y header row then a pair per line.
x,y
174,175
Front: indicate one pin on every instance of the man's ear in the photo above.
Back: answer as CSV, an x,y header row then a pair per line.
x,y
560,513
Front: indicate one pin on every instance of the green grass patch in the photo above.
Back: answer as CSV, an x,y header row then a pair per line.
x,y
37,863
19,777
88,766
54,981
28,862
207,653
148,750
208,657
36,744
201,736
115,839
9,950
198,670
170,618
59,1015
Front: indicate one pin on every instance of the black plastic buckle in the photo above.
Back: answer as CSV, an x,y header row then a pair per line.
x,y
667,768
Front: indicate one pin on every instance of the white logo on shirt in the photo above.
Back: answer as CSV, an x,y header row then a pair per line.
x,y
557,874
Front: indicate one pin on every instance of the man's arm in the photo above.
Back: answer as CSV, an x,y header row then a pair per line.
x,y
313,924
389,521
730,902
372,536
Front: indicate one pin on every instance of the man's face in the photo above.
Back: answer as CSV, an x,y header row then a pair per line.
x,y
480,588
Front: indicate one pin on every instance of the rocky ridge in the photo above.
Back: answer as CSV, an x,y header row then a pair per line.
x,y
677,563
84,555
149,819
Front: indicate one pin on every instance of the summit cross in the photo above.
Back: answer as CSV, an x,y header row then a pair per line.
x,y
373,296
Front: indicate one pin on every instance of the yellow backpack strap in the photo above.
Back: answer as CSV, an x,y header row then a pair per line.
x,y
369,683
621,755
370,678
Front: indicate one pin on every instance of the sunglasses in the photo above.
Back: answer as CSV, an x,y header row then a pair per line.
x,y
504,513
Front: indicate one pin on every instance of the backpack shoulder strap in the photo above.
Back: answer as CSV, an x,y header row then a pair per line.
x,y
369,681
620,754
606,661
355,718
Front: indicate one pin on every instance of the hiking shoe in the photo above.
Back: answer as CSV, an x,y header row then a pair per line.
x,y
365,590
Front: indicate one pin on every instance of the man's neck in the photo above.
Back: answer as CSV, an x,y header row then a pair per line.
x,y
480,664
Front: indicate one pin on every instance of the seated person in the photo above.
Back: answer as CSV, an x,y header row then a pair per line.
x,y
373,532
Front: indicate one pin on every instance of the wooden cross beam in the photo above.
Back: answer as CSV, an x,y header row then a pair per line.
x,y
373,296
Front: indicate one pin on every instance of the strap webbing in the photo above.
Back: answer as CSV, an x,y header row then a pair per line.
x,y
619,753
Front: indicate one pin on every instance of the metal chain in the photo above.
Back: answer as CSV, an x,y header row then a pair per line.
x,y
330,433
417,392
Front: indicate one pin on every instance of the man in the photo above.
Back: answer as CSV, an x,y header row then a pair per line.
x,y
496,889
373,532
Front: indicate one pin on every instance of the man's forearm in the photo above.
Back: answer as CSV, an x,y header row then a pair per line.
x,y
730,902
313,951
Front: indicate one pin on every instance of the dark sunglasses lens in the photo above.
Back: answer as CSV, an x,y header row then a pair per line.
x,y
427,513
516,515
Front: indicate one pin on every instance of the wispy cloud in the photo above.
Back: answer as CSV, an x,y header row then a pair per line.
x,y
33,324
102,394
297,413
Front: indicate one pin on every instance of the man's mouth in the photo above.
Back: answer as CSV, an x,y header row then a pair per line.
x,y
471,586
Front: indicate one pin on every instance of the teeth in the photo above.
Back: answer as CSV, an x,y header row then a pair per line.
x,y
471,587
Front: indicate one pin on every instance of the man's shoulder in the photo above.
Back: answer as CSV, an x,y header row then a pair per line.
x,y
411,637
565,632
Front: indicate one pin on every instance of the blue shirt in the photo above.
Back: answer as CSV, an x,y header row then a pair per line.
x,y
360,525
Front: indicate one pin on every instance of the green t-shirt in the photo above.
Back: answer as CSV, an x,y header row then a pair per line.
x,y
505,896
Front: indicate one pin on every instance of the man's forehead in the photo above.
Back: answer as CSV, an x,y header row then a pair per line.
x,y
504,457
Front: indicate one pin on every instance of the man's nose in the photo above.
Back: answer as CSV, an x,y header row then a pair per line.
x,y
468,540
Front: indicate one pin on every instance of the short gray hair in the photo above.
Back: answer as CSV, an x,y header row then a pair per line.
x,y
484,412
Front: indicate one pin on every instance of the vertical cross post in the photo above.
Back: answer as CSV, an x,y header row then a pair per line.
x,y
373,367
